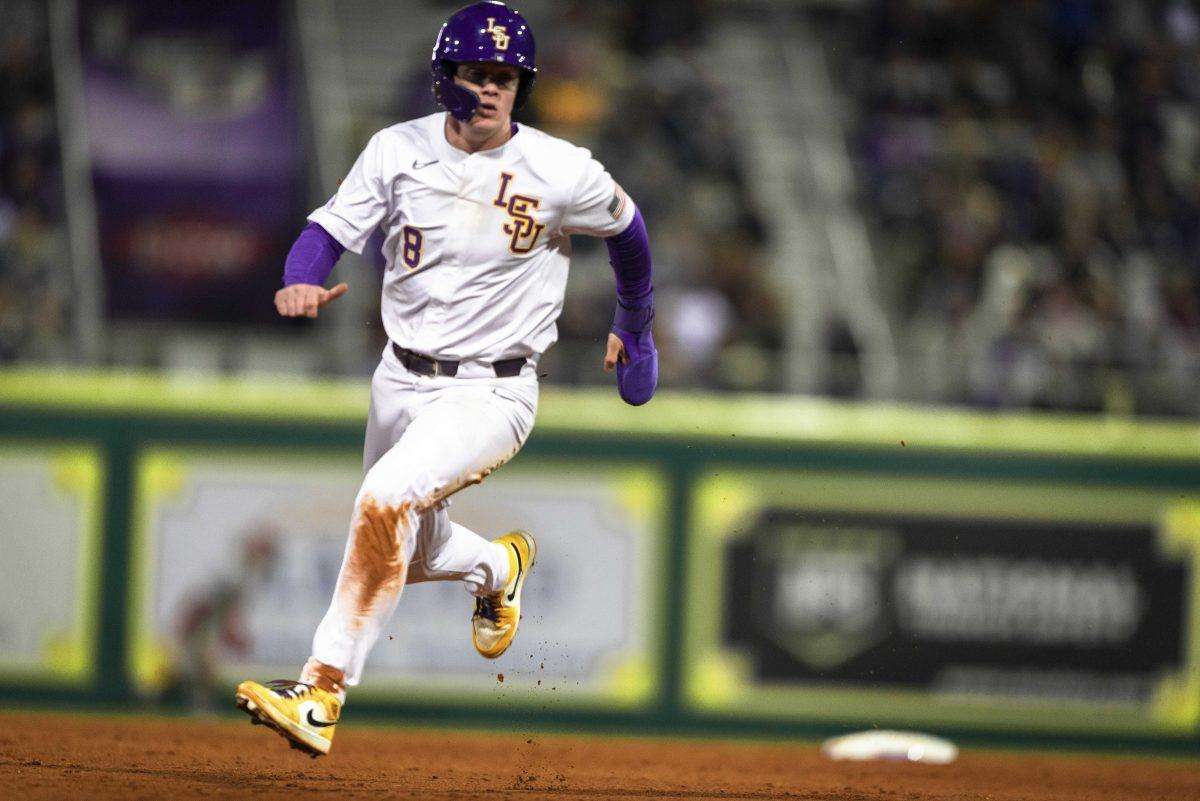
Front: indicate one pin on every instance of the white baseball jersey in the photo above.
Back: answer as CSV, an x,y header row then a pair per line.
x,y
477,244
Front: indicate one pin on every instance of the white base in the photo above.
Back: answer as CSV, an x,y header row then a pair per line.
x,y
897,746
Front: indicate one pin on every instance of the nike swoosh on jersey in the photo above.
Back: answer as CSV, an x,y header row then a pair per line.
x,y
419,164
512,594
319,723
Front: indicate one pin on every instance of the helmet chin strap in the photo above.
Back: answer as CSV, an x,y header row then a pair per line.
x,y
463,116
458,100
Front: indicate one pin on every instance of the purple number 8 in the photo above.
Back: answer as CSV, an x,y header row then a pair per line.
x,y
411,252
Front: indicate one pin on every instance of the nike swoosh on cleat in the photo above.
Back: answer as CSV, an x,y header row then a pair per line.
x,y
419,164
319,723
512,595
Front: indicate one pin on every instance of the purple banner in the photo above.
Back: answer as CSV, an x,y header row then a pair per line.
x,y
192,123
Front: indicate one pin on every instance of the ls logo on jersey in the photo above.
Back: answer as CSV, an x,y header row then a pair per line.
x,y
522,228
499,33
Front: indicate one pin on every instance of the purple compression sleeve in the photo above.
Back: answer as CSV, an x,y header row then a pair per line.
x,y
311,259
629,254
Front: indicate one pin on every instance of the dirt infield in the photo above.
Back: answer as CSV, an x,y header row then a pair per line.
x,y
49,756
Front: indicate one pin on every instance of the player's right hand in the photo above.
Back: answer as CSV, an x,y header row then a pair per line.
x,y
305,300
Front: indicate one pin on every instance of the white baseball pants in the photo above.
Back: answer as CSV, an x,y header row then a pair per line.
x,y
427,437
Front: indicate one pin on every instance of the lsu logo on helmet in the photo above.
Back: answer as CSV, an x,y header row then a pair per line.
x,y
499,33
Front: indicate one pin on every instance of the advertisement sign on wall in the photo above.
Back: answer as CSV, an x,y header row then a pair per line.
x,y
50,537
918,603
237,555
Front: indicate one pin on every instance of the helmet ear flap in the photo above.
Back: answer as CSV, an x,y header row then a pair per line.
x,y
458,100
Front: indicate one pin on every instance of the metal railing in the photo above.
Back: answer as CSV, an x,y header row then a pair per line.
x,y
88,330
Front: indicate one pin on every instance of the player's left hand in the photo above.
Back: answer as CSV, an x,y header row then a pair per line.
x,y
616,353
633,355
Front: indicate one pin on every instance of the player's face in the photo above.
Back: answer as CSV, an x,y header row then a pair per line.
x,y
496,85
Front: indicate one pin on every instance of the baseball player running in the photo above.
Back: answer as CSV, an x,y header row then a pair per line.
x,y
478,214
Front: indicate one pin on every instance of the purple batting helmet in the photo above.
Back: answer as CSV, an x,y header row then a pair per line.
x,y
489,31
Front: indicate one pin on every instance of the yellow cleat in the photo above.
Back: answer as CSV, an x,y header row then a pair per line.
x,y
496,617
305,715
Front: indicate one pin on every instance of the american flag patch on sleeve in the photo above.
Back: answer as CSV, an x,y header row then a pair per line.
x,y
617,204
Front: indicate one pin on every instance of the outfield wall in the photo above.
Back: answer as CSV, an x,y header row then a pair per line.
x,y
752,564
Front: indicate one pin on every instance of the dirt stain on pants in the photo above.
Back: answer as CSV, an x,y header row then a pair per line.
x,y
374,571
319,674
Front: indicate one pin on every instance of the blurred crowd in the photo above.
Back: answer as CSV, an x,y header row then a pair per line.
x,y
656,118
1029,169
35,283
1032,170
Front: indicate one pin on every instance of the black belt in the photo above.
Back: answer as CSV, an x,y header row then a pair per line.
x,y
427,365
